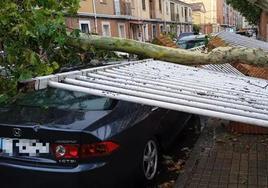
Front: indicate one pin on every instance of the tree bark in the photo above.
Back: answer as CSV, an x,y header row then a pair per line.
x,y
217,56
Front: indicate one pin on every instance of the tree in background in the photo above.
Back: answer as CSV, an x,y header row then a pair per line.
x,y
33,38
196,28
249,10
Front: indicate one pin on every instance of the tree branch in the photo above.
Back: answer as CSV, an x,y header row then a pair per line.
x,y
217,56
263,4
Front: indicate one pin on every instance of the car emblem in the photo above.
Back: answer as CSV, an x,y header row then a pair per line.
x,y
17,132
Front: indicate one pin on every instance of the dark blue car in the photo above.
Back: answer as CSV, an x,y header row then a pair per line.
x,y
56,138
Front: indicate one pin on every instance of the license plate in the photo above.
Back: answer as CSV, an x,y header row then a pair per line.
x,y
17,147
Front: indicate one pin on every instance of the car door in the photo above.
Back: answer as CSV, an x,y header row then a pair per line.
x,y
171,124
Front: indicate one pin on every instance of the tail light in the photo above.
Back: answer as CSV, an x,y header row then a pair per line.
x,y
76,151
98,149
66,151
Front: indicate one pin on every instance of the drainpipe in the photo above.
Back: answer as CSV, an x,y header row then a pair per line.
x,y
165,14
95,17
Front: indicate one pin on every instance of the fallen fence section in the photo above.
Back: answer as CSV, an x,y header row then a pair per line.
x,y
171,86
225,68
242,41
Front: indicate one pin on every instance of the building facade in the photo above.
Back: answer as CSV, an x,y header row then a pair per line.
x,y
218,16
141,20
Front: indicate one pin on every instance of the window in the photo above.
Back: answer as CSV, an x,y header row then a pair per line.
x,y
178,13
153,31
182,12
178,29
168,28
63,99
160,5
143,5
117,7
190,12
161,28
145,32
106,30
84,26
172,11
122,30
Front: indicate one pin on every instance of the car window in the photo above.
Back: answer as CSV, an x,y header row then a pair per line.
x,y
63,99
191,43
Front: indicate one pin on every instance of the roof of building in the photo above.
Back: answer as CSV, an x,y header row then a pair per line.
x,y
198,7
182,2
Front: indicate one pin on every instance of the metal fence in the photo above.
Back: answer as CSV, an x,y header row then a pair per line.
x,y
242,41
171,86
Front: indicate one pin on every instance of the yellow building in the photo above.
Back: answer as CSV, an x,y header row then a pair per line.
x,y
199,13
206,15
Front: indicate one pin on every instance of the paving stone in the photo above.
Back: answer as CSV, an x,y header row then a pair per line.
x,y
229,164
252,180
232,185
262,180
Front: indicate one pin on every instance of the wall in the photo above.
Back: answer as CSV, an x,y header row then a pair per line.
x,y
105,8
86,6
159,14
220,12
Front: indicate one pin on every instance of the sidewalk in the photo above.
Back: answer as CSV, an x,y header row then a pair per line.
x,y
222,159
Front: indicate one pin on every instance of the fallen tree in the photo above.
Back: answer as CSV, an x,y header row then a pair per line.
x,y
217,56
35,42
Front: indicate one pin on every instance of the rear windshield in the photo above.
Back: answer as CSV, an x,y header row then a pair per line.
x,y
191,43
66,100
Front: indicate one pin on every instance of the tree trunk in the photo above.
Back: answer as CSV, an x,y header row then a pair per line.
x,y
217,56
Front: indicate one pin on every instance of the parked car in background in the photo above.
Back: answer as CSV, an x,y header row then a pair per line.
x,y
192,41
185,35
58,138
245,32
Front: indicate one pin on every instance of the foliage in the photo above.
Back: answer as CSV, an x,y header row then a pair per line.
x,y
250,11
34,39
196,28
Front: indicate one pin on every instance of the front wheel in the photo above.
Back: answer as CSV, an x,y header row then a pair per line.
x,y
150,160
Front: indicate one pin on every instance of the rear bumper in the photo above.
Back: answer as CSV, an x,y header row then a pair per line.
x,y
22,176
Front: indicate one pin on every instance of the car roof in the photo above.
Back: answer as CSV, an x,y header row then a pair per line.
x,y
192,37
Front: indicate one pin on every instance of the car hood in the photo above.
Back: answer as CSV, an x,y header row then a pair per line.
x,y
50,117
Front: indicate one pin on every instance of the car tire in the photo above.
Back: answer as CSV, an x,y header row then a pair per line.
x,y
150,161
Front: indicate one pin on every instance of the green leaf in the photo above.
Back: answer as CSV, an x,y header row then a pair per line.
x,y
25,75
33,58
55,65
3,98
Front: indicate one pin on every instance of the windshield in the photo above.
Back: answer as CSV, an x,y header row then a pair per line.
x,y
63,99
191,43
